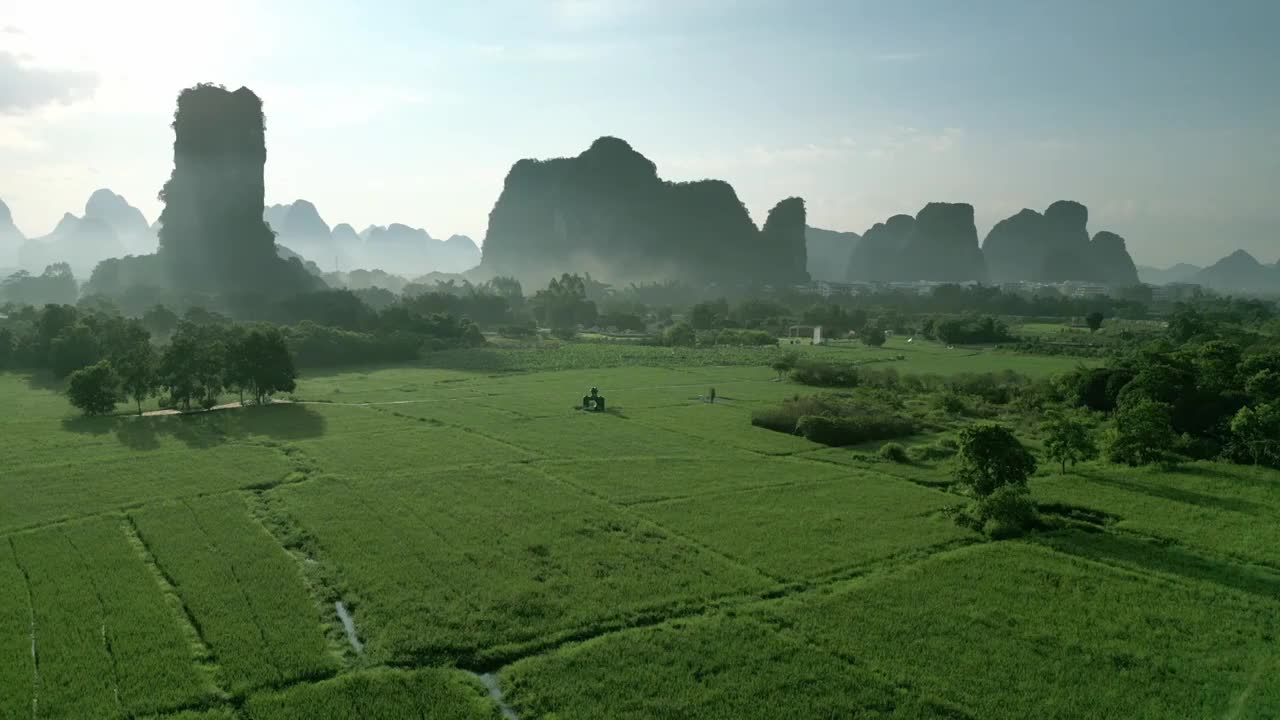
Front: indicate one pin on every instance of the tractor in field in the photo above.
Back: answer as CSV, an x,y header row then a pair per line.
x,y
593,402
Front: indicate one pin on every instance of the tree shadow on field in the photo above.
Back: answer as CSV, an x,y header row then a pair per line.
x,y
1163,557
1175,494
206,430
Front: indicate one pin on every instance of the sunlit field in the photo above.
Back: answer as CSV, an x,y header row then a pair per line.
x,y
456,540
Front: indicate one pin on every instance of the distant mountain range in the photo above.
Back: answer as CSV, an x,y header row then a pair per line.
x,y
396,248
1240,272
940,243
1182,272
111,227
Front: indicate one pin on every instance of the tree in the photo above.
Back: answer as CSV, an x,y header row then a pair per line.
x,y
1262,386
94,389
785,364
1255,434
680,334
193,366
1068,439
873,335
991,457
6,348
1142,432
709,314
564,303
136,369
268,362
160,320
74,348
1094,321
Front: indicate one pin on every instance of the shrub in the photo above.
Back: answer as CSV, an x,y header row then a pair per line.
x,y
825,374
894,452
777,418
733,336
939,450
564,333
679,335
852,430
1007,512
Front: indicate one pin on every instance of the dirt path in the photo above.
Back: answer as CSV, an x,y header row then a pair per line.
x,y
226,406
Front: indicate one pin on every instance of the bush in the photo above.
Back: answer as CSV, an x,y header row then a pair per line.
x,y
852,430
777,418
736,337
894,452
1007,512
679,335
939,450
825,374
564,333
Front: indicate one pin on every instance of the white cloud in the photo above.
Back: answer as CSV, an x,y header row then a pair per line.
x,y
24,88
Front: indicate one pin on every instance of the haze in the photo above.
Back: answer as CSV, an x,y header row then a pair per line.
x,y
1161,117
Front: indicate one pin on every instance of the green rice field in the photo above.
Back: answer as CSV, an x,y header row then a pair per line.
x,y
455,540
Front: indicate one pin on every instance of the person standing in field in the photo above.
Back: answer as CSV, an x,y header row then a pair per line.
x,y
712,395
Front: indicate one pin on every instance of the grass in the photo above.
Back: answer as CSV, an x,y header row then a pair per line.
x,y
817,528
462,566
107,643
243,591
717,667
665,559
17,666
1004,628
379,695
1212,507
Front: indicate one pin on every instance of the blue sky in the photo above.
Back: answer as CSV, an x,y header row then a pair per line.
x,y
1163,117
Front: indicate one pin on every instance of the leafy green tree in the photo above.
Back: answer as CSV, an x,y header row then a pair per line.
x,y
1217,366
709,314
1255,434
94,389
7,348
1187,322
268,362
784,364
680,334
74,348
991,457
160,321
873,335
1263,386
192,367
1142,432
1094,321
137,370
564,303
1068,439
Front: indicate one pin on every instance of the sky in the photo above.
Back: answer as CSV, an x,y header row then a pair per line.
x,y
1163,116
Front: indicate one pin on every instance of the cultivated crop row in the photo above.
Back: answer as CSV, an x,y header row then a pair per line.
x,y
243,590
107,643
449,565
